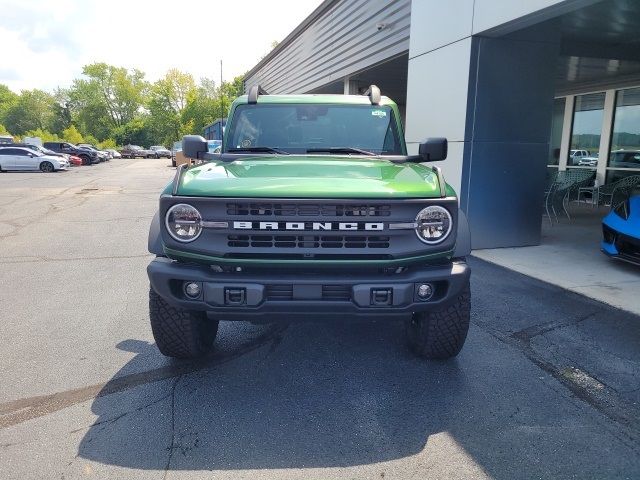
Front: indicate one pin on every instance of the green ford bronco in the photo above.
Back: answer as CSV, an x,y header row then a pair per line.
x,y
312,210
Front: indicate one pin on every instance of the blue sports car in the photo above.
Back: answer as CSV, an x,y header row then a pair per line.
x,y
621,231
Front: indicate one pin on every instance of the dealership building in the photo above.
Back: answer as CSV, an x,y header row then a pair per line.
x,y
517,87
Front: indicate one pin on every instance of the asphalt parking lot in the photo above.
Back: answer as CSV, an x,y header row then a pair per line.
x,y
547,386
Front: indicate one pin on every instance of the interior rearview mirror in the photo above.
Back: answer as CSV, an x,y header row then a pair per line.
x,y
433,149
193,146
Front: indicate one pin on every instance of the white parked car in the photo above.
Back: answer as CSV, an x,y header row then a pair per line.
x,y
576,155
114,153
21,158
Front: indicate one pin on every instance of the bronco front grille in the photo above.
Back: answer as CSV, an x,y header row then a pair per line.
x,y
307,210
308,241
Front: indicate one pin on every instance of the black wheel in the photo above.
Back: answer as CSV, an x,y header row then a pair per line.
x,y
440,334
180,333
46,167
86,161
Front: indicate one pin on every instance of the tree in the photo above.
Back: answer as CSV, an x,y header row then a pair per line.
x,y
108,143
168,99
44,135
207,104
61,111
109,97
135,132
3,130
7,100
72,135
33,110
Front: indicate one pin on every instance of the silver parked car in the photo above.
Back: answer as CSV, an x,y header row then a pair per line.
x,y
21,158
161,151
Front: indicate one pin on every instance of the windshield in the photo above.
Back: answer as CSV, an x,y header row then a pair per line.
x,y
299,128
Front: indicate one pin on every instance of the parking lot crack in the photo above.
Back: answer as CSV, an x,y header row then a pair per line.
x,y
172,445
112,420
527,334
603,399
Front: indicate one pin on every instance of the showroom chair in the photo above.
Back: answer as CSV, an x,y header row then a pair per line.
x,y
566,183
610,194
548,193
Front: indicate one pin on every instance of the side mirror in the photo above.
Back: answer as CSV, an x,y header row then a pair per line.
x,y
433,149
193,146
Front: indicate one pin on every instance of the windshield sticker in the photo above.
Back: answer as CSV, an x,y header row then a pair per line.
x,y
379,113
246,143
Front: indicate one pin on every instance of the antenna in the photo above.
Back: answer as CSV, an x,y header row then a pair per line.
x,y
221,108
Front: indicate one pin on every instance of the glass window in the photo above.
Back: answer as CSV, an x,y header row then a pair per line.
x,y
299,128
587,127
625,139
556,130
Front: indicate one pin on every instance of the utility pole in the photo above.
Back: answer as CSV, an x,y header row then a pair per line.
x,y
221,106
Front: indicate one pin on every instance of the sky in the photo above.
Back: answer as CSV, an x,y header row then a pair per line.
x,y
44,44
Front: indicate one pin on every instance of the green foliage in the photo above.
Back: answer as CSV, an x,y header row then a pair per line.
x,y
135,132
106,98
72,135
111,106
108,143
33,110
3,130
90,139
44,135
7,100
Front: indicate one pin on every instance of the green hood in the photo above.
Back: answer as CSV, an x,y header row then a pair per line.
x,y
311,177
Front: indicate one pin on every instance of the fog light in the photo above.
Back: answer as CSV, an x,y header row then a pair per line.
x,y
192,289
425,291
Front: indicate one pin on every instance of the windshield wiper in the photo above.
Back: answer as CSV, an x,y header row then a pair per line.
x,y
258,150
340,150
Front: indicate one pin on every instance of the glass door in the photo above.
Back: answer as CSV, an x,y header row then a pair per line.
x,y
624,157
588,114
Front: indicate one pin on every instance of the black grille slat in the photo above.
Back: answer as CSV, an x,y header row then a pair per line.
x,y
308,241
262,210
279,292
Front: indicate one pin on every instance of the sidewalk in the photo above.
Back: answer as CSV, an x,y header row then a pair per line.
x,y
570,257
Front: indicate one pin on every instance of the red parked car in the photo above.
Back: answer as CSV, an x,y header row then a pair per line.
x,y
75,161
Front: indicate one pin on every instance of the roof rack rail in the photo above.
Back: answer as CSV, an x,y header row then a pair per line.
x,y
373,92
254,92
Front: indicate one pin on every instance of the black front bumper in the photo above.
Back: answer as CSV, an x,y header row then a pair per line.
x,y
252,296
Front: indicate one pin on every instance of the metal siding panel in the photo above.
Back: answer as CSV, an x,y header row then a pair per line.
x,y
341,42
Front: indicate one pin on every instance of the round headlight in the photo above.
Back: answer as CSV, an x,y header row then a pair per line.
x,y
434,224
183,222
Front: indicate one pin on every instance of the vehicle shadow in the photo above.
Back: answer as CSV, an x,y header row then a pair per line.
x,y
337,395
313,395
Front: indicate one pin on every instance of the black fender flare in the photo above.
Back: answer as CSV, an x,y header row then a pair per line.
x,y
154,244
463,238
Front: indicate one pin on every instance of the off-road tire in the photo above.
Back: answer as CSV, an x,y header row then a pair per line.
x,y
440,334
180,333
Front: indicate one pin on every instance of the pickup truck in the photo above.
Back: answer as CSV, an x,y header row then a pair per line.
x,y
313,209
88,157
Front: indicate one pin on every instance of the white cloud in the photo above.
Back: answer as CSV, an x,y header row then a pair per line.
x,y
45,44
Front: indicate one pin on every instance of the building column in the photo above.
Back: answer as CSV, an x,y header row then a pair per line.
x,y
510,104
605,137
567,126
350,86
